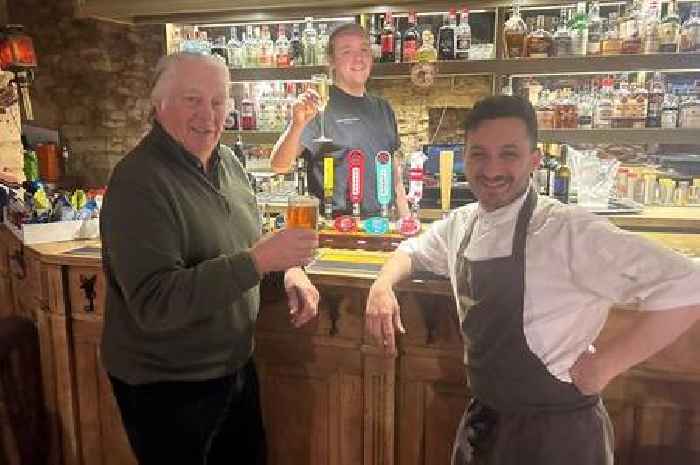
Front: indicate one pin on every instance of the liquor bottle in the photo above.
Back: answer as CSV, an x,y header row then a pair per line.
x,y
612,44
565,112
282,58
375,39
397,43
447,37
579,30
248,122
250,47
621,105
669,112
296,48
411,40
322,45
604,105
670,29
632,29
267,49
514,33
690,32
562,38
561,179
427,52
387,39
231,120
652,25
545,111
689,111
584,109
218,47
309,41
595,29
234,50
464,36
539,41
656,101
639,105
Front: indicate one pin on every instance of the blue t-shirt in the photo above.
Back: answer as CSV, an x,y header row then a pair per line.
x,y
367,123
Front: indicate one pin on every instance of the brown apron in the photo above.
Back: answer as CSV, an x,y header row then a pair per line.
x,y
520,412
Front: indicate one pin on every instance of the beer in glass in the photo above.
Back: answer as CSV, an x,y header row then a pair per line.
x,y
302,212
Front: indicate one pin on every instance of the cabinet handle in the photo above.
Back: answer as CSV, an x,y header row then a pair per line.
x,y
87,284
17,264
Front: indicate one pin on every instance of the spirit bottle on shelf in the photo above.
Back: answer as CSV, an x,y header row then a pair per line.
x,y
309,41
218,47
251,48
612,44
447,37
267,49
375,40
595,29
514,33
584,109
670,28
397,43
604,105
633,27
411,40
639,105
561,179
427,52
656,101
248,122
464,36
689,111
234,50
562,37
387,39
296,48
669,112
282,59
322,45
539,41
579,30
690,32
621,105
545,111
652,24
565,116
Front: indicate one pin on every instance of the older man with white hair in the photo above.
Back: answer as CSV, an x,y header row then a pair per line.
x,y
183,258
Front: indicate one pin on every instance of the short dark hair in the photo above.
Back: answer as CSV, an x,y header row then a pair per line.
x,y
504,106
347,28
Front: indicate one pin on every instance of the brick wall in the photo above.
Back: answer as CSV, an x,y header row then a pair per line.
x,y
418,111
92,82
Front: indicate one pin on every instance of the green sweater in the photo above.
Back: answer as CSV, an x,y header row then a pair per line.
x,y
182,288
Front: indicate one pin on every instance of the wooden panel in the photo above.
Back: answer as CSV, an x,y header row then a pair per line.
x,y
86,289
7,303
48,373
102,437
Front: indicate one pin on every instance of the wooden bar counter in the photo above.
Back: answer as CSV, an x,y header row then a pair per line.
x,y
330,396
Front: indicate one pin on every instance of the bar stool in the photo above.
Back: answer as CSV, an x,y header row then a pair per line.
x,y
22,416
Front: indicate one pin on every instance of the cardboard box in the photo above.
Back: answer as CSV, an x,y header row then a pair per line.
x,y
54,232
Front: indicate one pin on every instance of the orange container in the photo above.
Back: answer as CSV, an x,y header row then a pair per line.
x,y
49,162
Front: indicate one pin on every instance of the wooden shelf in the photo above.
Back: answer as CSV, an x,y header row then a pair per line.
x,y
250,137
620,136
527,66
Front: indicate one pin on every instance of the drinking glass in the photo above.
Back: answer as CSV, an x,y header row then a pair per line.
x,y
302,212
321,84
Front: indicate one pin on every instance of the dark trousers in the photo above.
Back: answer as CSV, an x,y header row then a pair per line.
x,y
209,422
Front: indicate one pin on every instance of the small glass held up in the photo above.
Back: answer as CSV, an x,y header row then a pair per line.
x,y
321,84
302,212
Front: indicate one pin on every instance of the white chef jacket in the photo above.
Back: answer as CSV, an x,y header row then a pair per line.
x,y
577,265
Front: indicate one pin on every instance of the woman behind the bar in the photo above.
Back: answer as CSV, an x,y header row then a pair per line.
x,y
353,120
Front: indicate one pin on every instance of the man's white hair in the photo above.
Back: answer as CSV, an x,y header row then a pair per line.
x,y
165,73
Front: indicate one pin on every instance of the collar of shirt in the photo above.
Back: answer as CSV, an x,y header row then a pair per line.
x,y
163,137
489,219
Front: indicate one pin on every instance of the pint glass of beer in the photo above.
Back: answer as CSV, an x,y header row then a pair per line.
x,y
302,212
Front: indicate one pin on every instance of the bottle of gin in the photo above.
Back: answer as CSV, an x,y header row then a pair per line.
x,y
579,30
464,36
309,41
670,28
595,29
562,37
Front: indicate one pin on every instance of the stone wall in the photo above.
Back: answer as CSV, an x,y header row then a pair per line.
x,y
419,111
92,82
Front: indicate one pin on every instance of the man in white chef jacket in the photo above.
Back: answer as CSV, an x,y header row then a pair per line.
x,y
534,281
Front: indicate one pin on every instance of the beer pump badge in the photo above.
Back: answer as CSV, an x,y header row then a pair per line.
x,y
384,190
356,165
